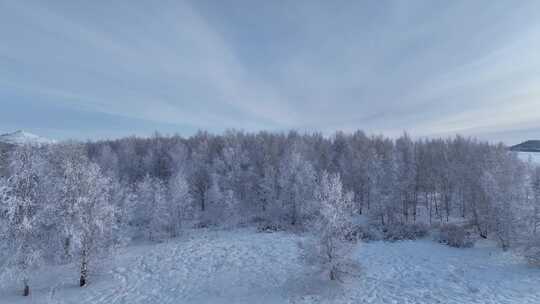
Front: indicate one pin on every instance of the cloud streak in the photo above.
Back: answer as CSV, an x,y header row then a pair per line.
x,y
426,67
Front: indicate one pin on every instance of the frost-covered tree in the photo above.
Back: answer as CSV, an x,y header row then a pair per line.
x,y
383,195
123,199
161,216
152,216
93,216
82,199
333,225
23,208
108,161
406,176
535,198
199,171
213,214
155,184
503,188
69,162
180,201
296,182
142,207
266,191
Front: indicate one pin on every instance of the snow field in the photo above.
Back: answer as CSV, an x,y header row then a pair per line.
x,y
427,272
243,266
202,267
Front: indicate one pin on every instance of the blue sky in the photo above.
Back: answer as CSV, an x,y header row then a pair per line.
x,y
104,69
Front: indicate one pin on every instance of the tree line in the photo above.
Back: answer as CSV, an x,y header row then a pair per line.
x,y
73,201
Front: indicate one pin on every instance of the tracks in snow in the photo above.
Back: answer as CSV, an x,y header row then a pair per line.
x,y
246,267
209,266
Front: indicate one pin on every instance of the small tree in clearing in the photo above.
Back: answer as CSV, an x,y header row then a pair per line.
x,y
94,218
333,224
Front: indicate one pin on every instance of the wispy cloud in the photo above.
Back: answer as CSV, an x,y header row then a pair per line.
x,y
428,67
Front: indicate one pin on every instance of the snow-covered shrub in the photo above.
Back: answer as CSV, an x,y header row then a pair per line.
x,y
532,252
203,224
364,233
398,232
455,236
269,227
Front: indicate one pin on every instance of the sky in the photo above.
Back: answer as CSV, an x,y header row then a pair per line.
x,y
106,69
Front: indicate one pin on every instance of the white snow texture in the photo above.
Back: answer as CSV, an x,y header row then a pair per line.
x,y
242,266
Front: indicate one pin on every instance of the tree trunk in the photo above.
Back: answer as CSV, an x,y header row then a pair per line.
x,y
293,216
405,208
332,274
483,233
202,205
415,204
463,204
84,269
447,199
26,291
436,205
368,201
430,211
67,248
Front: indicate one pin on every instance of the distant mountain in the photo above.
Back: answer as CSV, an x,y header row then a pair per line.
x,y
527,146
21,138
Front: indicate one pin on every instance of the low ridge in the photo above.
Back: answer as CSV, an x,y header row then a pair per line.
x,y
21,137
527,146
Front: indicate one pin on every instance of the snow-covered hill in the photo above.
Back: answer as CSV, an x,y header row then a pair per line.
x,y
528,150
527,146
242,266
21,138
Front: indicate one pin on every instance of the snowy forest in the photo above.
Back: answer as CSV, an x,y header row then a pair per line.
x,y
74,202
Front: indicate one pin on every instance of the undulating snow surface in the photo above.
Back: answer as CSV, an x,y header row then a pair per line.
x,y
427,272
21,137
243,266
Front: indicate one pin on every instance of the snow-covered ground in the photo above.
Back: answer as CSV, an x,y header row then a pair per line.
x,y
243,266
532,156
426,272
